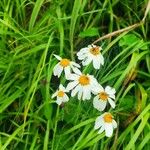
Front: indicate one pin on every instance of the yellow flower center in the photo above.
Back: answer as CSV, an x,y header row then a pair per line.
x,y
108,118
60,94
84,80
103,96
95,50
65,62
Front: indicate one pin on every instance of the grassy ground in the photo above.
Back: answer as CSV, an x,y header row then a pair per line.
x,y
31,31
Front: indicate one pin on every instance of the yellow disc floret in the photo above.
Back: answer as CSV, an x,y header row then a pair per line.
x,y
65,62
84,80
103,96
108,118
95,50
60,94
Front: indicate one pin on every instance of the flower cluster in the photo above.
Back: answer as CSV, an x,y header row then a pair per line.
x,y
85,85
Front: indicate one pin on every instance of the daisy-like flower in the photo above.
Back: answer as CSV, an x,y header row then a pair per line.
x,y
106,123
89,54
103,96
61,95
66,65
82,85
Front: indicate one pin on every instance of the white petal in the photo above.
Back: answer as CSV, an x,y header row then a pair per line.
x,y
113,91
99,104
73,77
83,50
75,64
110,90
112,96
108,129
58,57
89,94
86,61
94,91
96,63
59,101
80,93
61,87
99,61
76,70
55,94
92,45
101,130
96,102
114,123
67,72
100,87
99,122
65,98
94,81
96,87
55,69
71,85
75,90
100,48
82,56
101,58
112,103
59,71
96,98
86,92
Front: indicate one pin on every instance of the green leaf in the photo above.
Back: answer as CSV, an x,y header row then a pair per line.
x,y
89,33
128,40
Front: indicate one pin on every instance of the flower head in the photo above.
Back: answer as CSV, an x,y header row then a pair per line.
x,y
66,65
106,123
82,85
61,95
89,54
103,96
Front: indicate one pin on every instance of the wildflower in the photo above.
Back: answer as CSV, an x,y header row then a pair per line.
x,y
106,123
61,95
82,85
66,65
103,96
89,54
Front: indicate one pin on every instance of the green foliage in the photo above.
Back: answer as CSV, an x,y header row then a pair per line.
x,y
89,33
129,39
31,31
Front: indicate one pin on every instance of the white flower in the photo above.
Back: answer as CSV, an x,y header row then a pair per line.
x,y
103,96
82,85
66,65
61,95
89,54
106,123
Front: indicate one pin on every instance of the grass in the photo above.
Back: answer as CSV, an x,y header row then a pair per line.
x,y
31,32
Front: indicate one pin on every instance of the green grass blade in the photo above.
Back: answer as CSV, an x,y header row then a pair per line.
x,y
74,16
138,131
35,13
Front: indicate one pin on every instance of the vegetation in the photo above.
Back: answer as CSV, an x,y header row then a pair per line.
x,y
31,31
